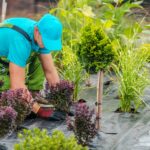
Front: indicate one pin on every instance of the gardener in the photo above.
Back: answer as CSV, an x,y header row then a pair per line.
x,y
25,54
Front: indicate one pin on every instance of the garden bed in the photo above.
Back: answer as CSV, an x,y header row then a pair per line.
x,y
120,131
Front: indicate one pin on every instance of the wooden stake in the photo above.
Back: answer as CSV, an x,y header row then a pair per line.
x,y
99,99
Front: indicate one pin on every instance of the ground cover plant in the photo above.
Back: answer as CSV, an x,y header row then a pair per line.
x,y
61,95
16,100
83,124
7,120
37,139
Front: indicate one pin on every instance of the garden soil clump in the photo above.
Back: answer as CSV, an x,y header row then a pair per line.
x,y
120,131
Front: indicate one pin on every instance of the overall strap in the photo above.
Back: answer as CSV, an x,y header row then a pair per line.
x,y
16,28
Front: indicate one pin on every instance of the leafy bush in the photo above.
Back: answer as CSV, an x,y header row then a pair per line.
x,y
60,95
15,99
7,120
94,48
72,70
132,73
83,124
40,140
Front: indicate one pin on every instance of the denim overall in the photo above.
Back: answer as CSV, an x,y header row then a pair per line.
x,y
34,71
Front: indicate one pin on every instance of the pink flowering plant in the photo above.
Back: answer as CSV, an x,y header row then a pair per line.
x,y
7,119
60,95
16,100
83,124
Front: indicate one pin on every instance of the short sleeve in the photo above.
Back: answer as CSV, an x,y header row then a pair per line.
x,y
19,51
44,51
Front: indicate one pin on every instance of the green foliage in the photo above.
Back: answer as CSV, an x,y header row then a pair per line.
x,y
72,70
73,15
131,72
40,140
94,48
117,14
117,11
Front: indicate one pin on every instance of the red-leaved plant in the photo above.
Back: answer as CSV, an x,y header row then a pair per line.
x,y
16,100
7,120
60,95
83,124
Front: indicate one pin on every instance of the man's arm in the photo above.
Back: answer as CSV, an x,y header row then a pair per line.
x,y
17,79
17,76
49,69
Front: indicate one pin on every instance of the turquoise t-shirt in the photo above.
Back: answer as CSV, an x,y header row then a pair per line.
x,y
14,46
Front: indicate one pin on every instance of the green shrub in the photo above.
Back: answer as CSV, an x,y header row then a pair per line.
x,y
72,70
40,140
94,48
132,74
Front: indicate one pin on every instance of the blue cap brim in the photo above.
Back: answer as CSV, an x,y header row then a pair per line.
x,y
52,45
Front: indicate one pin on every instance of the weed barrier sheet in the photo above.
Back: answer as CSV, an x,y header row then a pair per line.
x,y
120,131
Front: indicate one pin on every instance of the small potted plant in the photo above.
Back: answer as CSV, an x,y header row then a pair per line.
x,y
60,95
83,124
7,120
16,100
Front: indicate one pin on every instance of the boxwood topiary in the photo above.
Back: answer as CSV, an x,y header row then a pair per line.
x,y
94,48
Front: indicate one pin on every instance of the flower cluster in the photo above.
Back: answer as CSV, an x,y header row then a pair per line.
x,y
60,95
17,100
7,119
83,124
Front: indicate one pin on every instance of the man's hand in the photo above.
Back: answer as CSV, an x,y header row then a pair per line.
x,y
49,69
27,95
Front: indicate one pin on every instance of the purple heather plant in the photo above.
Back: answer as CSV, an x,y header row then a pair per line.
x,y
16,100
60,95
7,119
83,124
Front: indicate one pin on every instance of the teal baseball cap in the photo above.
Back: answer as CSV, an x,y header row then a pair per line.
x,y
50,29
